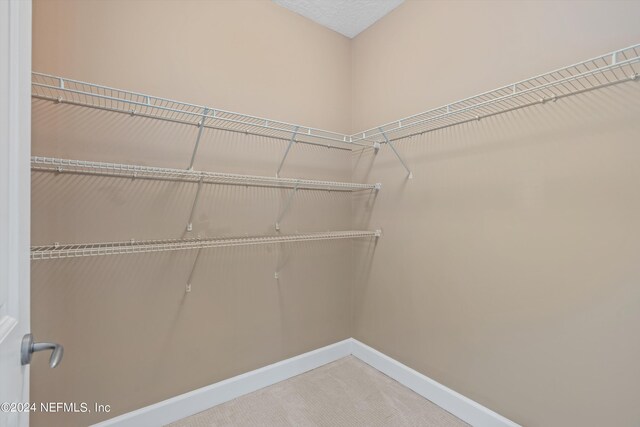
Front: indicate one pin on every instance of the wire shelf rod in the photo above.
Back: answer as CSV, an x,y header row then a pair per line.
x,y
602,71
54,88
614,67
488,103
185,122
475,118
58,251
57,165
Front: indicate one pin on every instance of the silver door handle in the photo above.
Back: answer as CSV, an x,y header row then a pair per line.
x,y
29,347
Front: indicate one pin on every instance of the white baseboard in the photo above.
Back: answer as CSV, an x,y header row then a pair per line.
x,y
204,398
195,401
460,406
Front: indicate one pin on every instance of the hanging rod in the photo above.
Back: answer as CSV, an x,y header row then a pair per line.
x,y
75,92
51,164
58,251
605,70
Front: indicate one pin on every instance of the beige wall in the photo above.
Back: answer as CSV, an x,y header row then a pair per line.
x,y
425,54
508,267
285,68
132,336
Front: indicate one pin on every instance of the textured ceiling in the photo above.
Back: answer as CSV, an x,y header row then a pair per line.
x,y
348,17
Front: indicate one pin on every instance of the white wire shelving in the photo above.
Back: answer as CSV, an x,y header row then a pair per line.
x,y
605,70
51,164
616,67
58,251
75,92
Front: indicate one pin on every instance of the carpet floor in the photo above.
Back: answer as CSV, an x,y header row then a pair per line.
x,y
347,392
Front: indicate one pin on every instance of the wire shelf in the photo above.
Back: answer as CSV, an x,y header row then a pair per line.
x,y
611,68
58,251
50,164
63,90
605,70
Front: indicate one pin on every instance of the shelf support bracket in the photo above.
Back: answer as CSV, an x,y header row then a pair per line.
x,y
384,135
200,128
286,152
195,205
286,206
193,269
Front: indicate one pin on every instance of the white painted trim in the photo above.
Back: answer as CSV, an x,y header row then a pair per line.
x,y
15,200
204,398
460,406
7,323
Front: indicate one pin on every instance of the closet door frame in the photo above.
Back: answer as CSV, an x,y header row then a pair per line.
x,y
15,215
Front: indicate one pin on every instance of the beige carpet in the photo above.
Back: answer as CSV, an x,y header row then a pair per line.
x,y
347,392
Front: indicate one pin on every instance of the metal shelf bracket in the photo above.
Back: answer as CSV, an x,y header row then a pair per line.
x,y
193,269
286,206
205,112
195,205
384,135
286,152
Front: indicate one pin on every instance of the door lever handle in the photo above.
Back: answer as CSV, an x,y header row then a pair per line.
x,y
29,347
